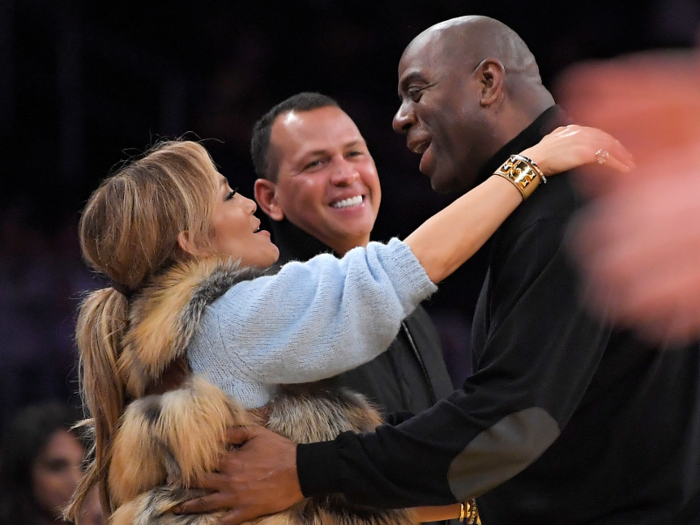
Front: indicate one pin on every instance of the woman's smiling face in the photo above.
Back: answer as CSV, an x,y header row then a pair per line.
x,y
236,230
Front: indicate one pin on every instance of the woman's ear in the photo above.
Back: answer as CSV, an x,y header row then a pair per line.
x,y
491,74
187,244
266,197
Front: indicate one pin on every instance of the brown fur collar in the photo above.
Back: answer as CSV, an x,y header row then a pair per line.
x,y
165,314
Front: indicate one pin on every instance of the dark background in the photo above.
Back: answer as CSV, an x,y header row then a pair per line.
x,y
84,84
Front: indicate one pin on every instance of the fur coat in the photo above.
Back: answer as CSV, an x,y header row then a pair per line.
x,y
180,435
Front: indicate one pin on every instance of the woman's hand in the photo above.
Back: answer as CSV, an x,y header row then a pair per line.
x,y
572,146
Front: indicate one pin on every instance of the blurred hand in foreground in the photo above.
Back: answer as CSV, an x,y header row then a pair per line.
x,y
638,243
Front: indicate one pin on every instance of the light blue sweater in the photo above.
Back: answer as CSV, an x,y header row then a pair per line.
x,y
310,321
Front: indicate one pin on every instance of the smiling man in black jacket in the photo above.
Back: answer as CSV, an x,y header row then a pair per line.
x,y
320,188
565,420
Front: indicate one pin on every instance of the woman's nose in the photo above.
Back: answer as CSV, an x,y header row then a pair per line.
x,y
250,205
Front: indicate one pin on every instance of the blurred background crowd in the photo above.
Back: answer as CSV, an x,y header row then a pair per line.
x,y
86,84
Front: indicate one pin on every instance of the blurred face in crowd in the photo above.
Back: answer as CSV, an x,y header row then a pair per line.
x,y
327,183
57,471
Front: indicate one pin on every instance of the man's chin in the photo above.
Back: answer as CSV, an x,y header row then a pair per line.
x,y
442,184
441,181
445,181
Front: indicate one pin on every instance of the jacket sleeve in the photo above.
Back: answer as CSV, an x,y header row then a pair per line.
x,y
317,319
538,356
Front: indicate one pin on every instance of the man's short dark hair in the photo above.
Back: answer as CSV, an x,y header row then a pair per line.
x,y
265,167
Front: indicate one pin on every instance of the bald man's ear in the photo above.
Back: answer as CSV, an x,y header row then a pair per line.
x,y
266,197
492,76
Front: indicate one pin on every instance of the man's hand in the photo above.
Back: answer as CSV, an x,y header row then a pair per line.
x,y
256,479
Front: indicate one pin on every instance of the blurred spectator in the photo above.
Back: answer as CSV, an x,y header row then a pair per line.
x,y
40,465
639,242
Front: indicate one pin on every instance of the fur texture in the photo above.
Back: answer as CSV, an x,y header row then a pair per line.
x,y
166,313
178,436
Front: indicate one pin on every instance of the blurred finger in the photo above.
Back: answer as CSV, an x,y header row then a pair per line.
x,y
684,328
662,294
671,330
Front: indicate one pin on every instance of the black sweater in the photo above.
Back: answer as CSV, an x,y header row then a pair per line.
x,y
565,420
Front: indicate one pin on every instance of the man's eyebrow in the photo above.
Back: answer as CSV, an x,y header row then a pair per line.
x,y
302,158
313,153
317,152
325,151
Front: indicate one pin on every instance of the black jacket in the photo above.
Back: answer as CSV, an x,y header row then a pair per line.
x,y
565,420
411,375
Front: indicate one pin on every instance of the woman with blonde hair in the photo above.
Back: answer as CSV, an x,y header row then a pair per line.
x,y
192,337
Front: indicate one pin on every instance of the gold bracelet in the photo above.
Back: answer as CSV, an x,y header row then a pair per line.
x,y
523,173
468,513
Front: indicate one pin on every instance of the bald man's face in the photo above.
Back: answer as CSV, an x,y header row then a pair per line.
x,y
441,115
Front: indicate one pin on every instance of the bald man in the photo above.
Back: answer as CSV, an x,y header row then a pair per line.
x,y
565,420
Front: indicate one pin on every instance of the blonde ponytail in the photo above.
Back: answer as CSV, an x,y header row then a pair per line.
x,y
102,321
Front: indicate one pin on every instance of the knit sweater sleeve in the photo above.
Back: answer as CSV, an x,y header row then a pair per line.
x,y
317,319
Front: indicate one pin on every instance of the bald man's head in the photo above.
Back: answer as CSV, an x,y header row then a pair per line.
x,y
468,85
471,39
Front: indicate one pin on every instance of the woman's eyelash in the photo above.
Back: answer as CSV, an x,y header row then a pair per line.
x,y
232,194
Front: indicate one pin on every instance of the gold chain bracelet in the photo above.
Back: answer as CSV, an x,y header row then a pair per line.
x,y
468,513
523,173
